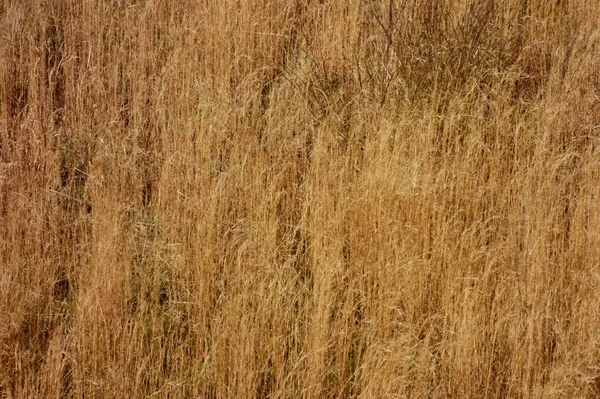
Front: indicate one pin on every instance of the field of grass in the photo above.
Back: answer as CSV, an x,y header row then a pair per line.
x,y
300,199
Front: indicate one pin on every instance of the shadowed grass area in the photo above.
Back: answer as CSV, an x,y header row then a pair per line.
x,y
319,199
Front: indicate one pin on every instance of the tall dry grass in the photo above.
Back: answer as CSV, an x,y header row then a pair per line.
x,y
281,199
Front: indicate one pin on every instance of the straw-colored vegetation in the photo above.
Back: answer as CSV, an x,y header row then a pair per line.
x,y
316,199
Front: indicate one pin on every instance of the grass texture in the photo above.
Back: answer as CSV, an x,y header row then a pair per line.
x,y
300,199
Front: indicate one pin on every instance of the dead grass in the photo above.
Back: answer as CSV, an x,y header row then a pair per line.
x,y
300,199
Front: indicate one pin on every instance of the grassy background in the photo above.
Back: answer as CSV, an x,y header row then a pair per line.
x,y
236,199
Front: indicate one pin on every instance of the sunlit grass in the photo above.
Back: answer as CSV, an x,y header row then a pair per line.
x,y
299,199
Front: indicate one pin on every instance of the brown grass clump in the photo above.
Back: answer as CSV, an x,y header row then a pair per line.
x,y
315,199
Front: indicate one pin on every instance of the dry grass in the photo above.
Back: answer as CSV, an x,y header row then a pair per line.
x,y
236,199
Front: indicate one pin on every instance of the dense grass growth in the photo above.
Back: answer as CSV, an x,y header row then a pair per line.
x,y
317,199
